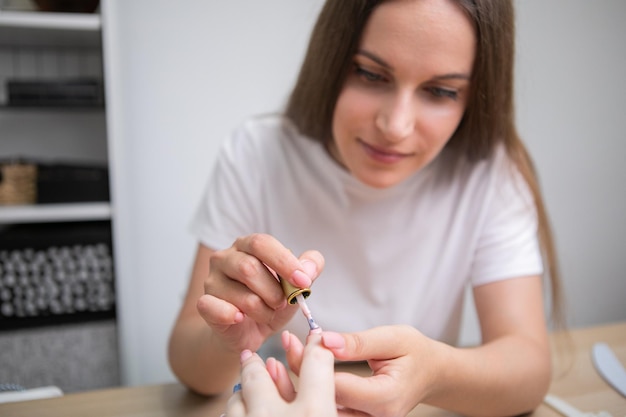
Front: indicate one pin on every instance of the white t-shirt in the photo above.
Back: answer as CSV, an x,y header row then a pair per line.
x,y
397,255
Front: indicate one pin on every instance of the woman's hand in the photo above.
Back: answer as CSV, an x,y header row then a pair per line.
x,y
243,302
507,374
261,392
403,363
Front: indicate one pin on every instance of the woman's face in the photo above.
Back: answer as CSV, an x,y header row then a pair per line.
x,y
407,90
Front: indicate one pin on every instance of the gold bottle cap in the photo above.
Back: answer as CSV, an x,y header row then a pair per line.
x,y
291,292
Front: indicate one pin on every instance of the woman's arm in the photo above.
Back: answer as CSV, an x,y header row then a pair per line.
x,y
509,373
196,358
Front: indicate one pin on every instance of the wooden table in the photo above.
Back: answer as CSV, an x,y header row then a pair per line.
x,y
575,380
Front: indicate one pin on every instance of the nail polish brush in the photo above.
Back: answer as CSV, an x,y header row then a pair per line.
x,y
297,295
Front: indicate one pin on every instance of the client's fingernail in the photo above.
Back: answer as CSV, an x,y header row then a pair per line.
x,y
285,340
245,355
239,316
270,365
333,340
237,387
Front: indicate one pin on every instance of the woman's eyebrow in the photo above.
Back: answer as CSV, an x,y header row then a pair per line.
x,y
374,58
452,76
384,64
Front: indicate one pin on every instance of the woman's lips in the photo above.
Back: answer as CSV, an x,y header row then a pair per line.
x,y
382,155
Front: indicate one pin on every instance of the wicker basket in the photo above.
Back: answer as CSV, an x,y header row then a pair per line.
x,y
18,183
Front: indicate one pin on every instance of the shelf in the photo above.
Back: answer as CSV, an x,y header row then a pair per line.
x,y
48,213
47,20
45,29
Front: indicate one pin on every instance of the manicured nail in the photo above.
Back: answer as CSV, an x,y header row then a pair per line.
x,y
333,340
285,338
237,387
245,355
309,267
272,368
301,279
239,316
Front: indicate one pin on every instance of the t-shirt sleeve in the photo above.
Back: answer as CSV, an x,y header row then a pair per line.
x,y
227,209
508,245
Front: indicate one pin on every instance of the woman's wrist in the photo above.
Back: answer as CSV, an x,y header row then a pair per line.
x,y
440,372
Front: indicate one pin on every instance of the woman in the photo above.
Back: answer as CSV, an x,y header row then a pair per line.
x,y
397,161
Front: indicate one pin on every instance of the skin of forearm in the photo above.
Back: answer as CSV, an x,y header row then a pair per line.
x,y
507,376
199,361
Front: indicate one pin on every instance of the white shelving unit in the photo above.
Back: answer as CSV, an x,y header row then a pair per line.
x,y
42,45
50,46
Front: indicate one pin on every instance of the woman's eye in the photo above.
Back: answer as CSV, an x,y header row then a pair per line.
x,y
368,75
439,92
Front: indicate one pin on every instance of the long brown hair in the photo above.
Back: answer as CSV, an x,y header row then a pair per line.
x,y
489,118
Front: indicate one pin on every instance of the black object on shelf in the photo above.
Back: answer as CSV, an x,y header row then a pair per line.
x,y
68,183
56,273
67,6
75,92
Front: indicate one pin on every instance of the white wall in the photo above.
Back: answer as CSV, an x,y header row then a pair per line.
x,y
179,79
571,110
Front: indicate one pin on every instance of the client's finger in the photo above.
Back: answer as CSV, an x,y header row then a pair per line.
x,y
317,373
293,351
281,378
235,406
257,387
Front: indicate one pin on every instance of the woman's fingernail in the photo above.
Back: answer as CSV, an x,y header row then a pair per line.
x,y
309,267
237,387
333,340
301,279
245,355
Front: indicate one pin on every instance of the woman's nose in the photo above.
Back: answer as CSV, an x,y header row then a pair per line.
x,y
396,118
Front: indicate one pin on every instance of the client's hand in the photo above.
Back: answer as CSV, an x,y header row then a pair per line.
x,y
268,391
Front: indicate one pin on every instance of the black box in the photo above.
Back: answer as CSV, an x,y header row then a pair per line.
x,y
67,183
74,92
